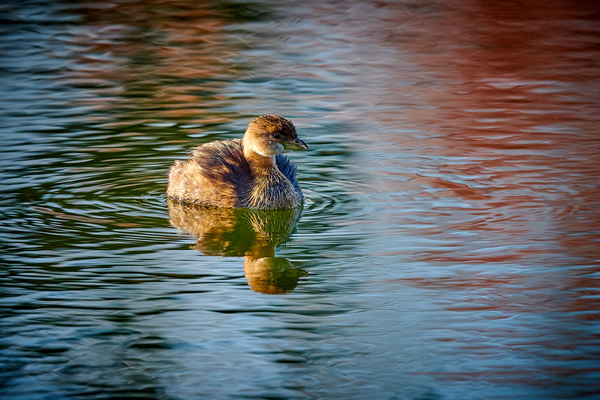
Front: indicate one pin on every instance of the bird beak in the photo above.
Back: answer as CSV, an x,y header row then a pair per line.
x,y
297,144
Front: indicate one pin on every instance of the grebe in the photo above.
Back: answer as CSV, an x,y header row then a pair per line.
x,y
244,173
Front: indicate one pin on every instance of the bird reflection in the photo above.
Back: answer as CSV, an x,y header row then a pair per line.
x,y
252,234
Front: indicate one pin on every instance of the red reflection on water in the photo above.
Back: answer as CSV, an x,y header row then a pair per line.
x,y
512,102
514,108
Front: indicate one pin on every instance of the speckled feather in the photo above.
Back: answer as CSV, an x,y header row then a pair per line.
x,y
218,173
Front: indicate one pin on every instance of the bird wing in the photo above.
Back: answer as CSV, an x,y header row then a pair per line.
x,y
223,161
288,168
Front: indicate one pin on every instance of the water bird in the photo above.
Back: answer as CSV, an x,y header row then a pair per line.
x,y
251,172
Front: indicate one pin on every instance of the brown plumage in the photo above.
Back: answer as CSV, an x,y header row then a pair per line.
x,y
244,173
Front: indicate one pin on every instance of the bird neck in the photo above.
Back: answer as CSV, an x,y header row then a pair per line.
x,y
259,163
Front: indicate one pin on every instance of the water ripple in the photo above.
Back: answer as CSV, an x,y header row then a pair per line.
x,y
447,248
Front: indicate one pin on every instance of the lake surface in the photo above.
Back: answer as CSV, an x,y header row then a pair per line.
x,y
449,247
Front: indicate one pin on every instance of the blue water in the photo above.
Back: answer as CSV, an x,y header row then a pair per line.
x,y
449,244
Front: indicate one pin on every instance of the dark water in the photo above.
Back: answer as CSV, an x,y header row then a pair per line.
x,y
449,247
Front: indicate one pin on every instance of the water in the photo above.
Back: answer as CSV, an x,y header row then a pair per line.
x,y
449,247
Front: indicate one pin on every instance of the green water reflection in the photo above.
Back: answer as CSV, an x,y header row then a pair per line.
x,y
252,234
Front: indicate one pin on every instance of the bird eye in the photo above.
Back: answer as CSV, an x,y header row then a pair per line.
x,y
277,136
